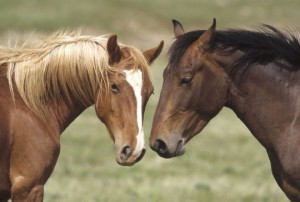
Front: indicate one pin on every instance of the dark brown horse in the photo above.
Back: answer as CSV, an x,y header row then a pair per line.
x,y
255,73
43,89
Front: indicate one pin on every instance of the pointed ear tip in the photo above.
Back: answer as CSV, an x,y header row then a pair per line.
x,y
113,36
175,22
214,22
161,45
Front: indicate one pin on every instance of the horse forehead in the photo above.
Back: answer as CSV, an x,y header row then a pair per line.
x,y
187,62
191,56
134,77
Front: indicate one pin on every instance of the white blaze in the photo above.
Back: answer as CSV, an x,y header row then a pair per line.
x,y
135,79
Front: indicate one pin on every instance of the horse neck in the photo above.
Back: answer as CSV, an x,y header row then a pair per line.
x,y
265,100
65,112
60,113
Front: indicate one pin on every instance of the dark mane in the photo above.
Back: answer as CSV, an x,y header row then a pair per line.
x,y
264,45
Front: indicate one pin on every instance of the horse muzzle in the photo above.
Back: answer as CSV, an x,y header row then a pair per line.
x,y
168,150
128,157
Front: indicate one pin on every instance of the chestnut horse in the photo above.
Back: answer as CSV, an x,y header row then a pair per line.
x,y
254,73
44,88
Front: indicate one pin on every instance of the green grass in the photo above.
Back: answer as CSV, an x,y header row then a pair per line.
x,y
224,163
48,15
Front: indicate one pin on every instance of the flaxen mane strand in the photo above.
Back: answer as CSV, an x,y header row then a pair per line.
x,y
70,65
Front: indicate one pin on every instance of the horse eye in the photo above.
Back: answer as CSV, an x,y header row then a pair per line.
x,y
186,81
114,88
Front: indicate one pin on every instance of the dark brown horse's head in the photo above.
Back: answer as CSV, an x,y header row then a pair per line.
x,y
194,90
123,109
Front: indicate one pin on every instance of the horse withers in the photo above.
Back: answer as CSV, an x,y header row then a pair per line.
x,y
255,73
44,88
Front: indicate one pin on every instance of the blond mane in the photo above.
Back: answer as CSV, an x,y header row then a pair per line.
x,y
69,65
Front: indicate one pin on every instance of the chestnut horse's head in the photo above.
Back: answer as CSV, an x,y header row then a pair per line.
x,y
194,91
123,108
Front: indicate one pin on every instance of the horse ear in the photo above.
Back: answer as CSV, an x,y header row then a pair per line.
x,y
205,38
113,50
178,28
153,53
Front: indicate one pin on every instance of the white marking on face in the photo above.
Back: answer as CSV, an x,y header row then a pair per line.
x,y
135,79
18,179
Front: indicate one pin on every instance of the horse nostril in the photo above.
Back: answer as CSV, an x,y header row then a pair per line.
x,y
160,146
125,153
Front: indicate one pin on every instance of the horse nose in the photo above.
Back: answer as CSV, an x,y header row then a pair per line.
x,y
125,153
128,155
161,148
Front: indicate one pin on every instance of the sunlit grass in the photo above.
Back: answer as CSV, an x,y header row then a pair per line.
x,y
219,165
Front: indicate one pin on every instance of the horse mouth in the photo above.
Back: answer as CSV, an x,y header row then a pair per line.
x,y
179,149
140,156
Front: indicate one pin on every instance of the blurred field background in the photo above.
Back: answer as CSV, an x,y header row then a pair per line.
x,y
225,163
